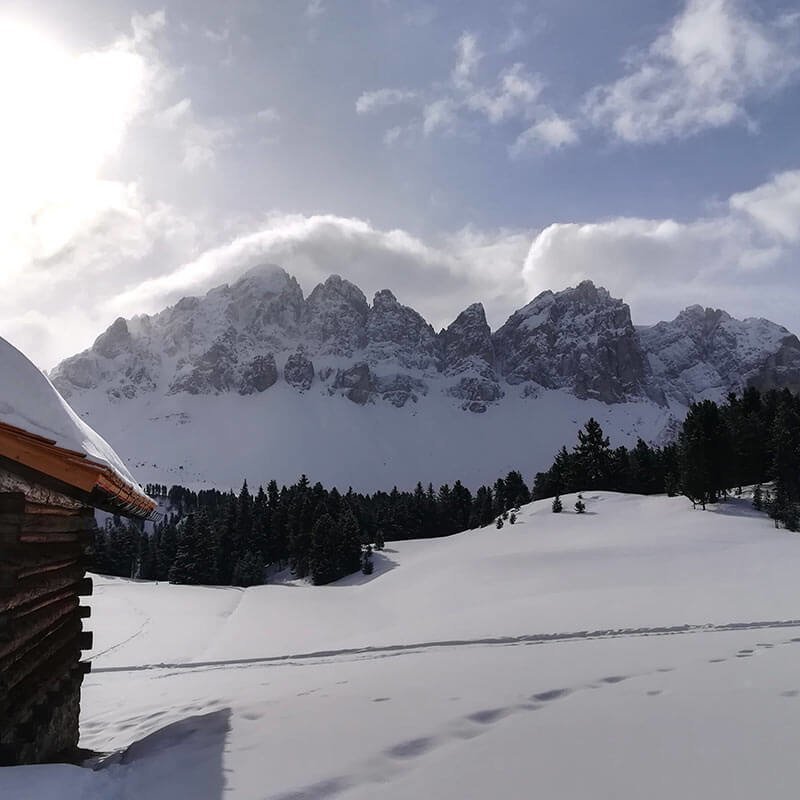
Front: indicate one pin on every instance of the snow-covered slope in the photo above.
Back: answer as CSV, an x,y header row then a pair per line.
x,y
208,440
254,380
642,649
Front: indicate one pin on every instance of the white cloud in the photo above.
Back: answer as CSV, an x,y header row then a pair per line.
x,y
774,206
395,134
733,259
549,133
514,39
739,259
379,99
468,57
513,96
314,9
199,141
438,278
174,115
77,258
146,26
445,108
268,115
439,116
699,74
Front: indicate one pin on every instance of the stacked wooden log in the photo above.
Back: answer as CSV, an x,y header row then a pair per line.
x,y
41,627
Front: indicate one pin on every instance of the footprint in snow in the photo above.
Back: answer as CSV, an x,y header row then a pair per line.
x,y
489,715
412,748
552,694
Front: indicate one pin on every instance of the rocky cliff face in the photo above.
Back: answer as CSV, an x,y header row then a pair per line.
x,y
706,353
468,355
248,336
581,339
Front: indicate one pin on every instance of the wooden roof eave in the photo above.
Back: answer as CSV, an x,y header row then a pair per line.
x,y
74,471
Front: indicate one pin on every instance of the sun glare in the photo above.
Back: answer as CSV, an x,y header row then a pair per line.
x,y
63,115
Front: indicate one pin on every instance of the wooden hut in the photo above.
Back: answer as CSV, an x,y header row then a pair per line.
x,y
48,493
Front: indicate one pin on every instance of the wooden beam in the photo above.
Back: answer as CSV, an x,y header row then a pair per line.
x,y
35,589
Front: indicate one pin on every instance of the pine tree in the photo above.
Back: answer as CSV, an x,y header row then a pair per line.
x,y
758,498
227,554
300,522
248,570
167,548
779,504
593,456
557,506
349,560
379,543
323,556
184,567
367,566
517,493
580,506
206,555
704,454
498,523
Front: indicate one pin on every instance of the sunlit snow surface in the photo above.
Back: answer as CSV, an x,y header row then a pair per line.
x,y
640,650
28,400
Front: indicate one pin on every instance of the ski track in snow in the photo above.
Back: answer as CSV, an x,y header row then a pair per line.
x,y
138,632
327,656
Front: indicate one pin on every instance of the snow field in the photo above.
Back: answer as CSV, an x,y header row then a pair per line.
x,y
202,441
442,677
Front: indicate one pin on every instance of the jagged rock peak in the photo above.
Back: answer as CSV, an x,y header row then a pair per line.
x,y
115,340
265,278
581,339
586,292
335,317
397,332
468,335
335,286
704,352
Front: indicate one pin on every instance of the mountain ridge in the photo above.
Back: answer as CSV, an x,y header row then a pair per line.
x,y
244,335
254,380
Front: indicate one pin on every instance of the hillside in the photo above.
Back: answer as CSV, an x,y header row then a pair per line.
x,y
256,380
578,654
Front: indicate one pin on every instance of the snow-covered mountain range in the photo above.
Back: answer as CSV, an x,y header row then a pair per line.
x,y
255,379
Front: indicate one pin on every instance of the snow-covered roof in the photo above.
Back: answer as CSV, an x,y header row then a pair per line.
x,y
39,431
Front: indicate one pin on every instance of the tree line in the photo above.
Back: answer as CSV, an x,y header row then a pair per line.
x,y
751,439
225,538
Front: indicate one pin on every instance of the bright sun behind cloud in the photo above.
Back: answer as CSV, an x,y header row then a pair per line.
x,y
63,115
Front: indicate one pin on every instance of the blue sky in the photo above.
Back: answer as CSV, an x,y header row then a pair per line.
x,y
453,152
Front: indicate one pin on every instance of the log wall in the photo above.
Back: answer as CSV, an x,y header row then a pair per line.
x,y
42,578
